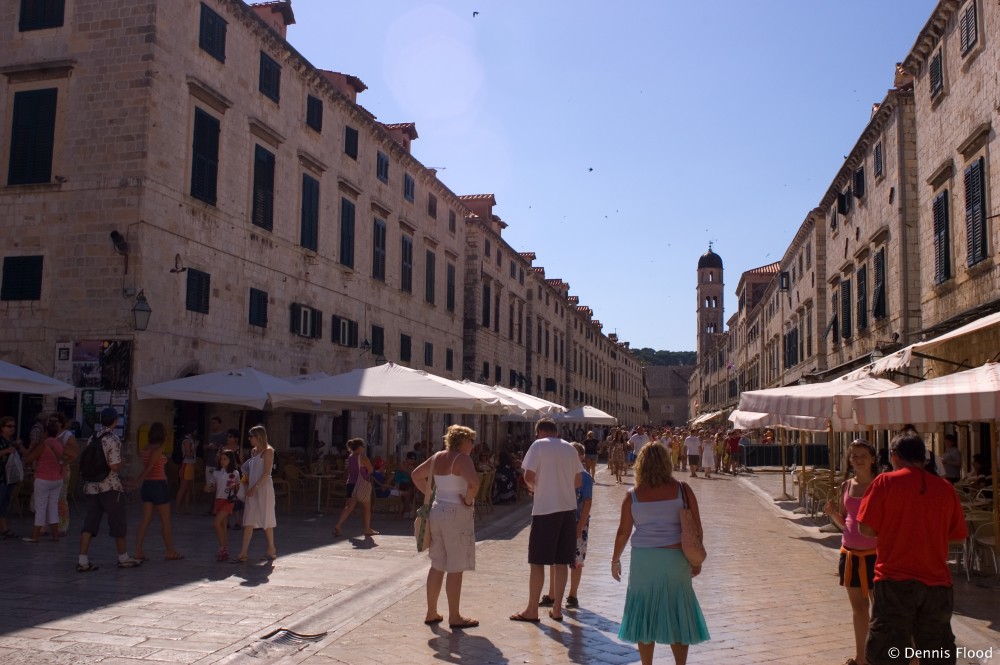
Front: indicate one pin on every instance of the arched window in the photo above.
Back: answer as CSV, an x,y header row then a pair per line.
x,y
711,276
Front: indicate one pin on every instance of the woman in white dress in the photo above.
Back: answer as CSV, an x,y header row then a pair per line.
x,y
708,454
259,509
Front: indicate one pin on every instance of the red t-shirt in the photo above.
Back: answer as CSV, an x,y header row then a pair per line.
x,y
913,528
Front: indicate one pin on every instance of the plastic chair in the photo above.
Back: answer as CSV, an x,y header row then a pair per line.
x,y
484,497
985,539
282,490
296,484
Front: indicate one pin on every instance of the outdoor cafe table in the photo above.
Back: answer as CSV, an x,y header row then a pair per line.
x,y
319,477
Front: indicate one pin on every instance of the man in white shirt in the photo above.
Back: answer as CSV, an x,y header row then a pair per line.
x,y
692,445
639,439
552,471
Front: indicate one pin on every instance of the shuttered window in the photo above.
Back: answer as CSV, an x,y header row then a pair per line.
x,y
449,359
967,28
845,309
409,188
406,264
22,278
199,286
41,14
314,113
351,142
32,136
877,159
345,332
205,157
346,233
880,305
405,348
378,250
487,305
378,340
270,78
429,274
936,74
975,207
862,298
382,167
428,354
258,308
859,182
212,34
262,214
942,239
452,223
432,206
450,288
835,319
310,213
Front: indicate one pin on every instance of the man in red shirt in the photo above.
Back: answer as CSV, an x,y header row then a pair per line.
x,y
914,514
733,450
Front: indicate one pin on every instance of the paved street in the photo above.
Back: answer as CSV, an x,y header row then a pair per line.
x,y
769,592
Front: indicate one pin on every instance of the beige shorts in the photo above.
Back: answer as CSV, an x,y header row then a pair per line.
x,y
453,538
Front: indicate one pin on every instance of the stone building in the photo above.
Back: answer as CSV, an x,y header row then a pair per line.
x,y
668,394
185,157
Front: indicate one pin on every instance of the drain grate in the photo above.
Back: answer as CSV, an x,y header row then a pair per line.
x,y
285,636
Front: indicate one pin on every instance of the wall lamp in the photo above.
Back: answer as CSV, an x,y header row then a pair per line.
x,y
121,245
141,311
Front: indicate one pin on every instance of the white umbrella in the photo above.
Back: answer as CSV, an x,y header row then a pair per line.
x,y
751,420
832,400
17,379
531,406
586,414
241,387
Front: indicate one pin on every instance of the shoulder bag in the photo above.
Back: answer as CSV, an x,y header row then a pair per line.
x,y
422,523
15,468
363,485
691,536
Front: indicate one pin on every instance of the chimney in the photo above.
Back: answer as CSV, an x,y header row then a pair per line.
x,y
277,14
349,85
402,133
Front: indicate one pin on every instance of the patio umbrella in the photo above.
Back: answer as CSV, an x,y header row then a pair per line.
x,y
542,407
241,387
586,414
17,379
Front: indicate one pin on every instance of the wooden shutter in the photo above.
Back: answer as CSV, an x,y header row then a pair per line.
x,y
32,136
845,308
212,34
317,324
975,205
967,28
198,290
877,159
258,308
351,142
263,188
346,233
314,113
270,78
862,297
942,246
352,334
378,250
22,278
296,310
335,325
936,74
879,308
41,14
859,182
205,157
429,274
310,213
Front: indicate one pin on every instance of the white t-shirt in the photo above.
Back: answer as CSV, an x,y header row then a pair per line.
x,y
638,441
556,465
692,445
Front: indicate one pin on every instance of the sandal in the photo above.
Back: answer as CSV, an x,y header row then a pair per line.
x,y
465,623
129,563
437,619
222,555
89,568
28,539
517,616
140,558
571,601
546,601
269,557
176,556
371,532
554,617
238,559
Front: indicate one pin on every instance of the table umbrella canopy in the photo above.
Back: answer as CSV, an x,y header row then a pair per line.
x,y
585,414
972,395
831,400
533,407
17,379
392,385
241,387
751,420
707,417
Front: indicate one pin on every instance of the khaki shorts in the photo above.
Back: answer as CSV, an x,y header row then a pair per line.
x,y
453,538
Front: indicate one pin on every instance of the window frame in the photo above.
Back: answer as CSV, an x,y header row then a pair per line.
x,y
450,287
351,140
430,269
257,308
41,15
941,215
31,152
406,263
382,166
205,158
405,348
968,27
309,213
976,236
314,113
21,278
935,72
409,187
212,33
198,291
348,214
262,199
269,78
379,249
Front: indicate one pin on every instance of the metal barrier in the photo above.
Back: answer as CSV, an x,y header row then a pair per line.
x,y
770,454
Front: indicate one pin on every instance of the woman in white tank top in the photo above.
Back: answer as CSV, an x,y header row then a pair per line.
x,y
453,537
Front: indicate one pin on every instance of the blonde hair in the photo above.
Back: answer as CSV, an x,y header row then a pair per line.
x,y
653,467
455,434
261,433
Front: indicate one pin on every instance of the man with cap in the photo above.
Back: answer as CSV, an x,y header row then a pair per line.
x,y
914,514
106,497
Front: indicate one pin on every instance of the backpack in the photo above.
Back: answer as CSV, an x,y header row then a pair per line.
x,y
93,462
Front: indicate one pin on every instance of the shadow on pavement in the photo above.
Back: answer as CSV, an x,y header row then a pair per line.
x,y
457,646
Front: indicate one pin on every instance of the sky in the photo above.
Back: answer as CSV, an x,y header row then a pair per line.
x,y
621,138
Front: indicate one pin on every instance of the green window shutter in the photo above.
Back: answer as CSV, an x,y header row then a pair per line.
x,y
347,233
32,136
262,213
975,206
942,245
310,213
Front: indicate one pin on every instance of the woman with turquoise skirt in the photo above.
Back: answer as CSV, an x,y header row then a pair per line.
x,y
660,604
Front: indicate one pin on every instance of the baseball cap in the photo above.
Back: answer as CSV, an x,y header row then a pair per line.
x,y
109,412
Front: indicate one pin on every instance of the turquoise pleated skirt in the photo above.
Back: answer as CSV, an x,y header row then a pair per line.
x,y
660,605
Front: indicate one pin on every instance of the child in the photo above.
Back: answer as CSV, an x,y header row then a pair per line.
x,y
225,481
584,499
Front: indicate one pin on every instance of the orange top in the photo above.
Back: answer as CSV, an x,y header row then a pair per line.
x,y
158,472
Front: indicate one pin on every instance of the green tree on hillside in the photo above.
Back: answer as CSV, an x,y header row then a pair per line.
x,y
649,356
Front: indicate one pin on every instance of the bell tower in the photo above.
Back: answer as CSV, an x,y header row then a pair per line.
x,y
709,310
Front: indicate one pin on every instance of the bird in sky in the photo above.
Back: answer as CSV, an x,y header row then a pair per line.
x,y
590,169
475,14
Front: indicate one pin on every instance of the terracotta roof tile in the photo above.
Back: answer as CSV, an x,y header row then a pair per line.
x,y
408,128
769,269
479,197
528,256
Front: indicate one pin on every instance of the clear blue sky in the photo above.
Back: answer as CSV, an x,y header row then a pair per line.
x,y
722,121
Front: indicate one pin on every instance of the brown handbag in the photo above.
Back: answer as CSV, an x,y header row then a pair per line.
x,y
422,523
691,536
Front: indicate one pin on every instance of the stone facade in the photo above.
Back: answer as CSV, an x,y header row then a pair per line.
x,y
668,394
321,243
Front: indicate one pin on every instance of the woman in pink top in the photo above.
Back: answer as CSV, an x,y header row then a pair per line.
x,y
49,458
155,493
857,552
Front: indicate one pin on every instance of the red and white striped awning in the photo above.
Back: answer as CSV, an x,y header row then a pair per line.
x,y
831,401
972,395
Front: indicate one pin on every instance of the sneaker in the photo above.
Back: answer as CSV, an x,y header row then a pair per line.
x,y
572,602
546,601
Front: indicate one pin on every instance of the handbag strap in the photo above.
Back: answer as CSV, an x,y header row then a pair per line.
x,y
684,496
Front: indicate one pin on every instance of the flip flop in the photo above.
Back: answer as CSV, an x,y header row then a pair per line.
x,y
89,568
373,532
554,617
517,616
437,619
238,559
468,623
175,557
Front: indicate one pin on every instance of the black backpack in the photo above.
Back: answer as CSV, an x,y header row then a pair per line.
x,y
93,462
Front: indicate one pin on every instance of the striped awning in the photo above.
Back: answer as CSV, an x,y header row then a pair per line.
x,y
972,395
751,420
831,401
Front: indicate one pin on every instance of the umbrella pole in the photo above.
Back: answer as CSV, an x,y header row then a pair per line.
x,y
996,487
427,432
388,428
784,479
832,463
802,477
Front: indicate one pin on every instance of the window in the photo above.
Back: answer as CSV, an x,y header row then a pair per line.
x,y
205,157
449,359
212,34
22,278
258,308
450,288
405,351
432,206
32,137
877,159
834,320
306,321
314,113
451,221
378,250
975,207
199,286
967,29
382,167
862,298
513,270
41,14
428,354
310,213
406,264
486,372
409,187
429,271
844,201
936,74
345,331
351,142
942,239
488,248
378,341
497,374
879,305
487,305
346,233
263,188
520,276
859,182
270,78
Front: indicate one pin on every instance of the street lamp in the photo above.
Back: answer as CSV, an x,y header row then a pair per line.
x,y
141,311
